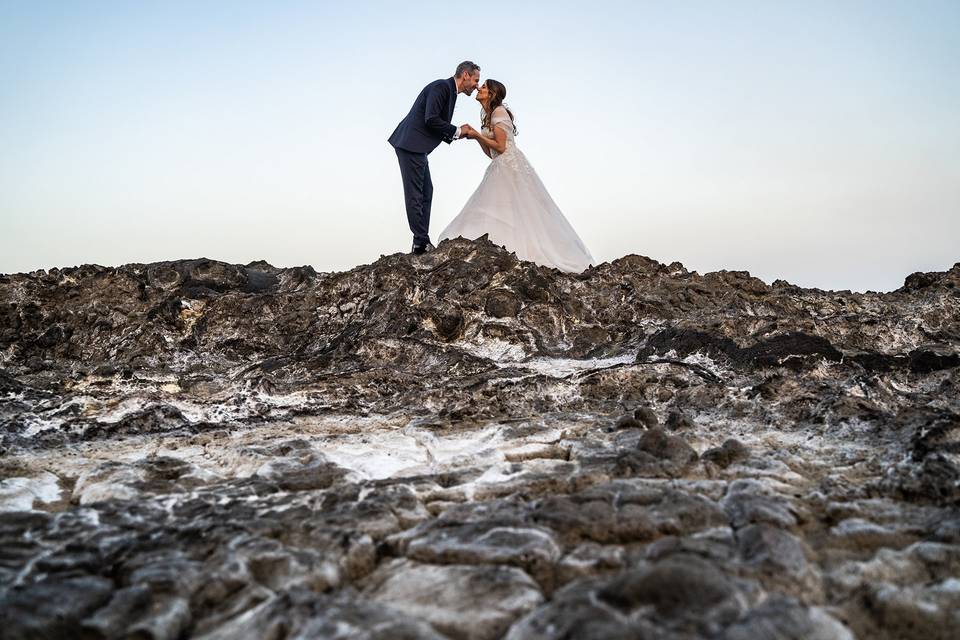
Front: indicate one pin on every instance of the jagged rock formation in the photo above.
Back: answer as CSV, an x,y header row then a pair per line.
x,y
462,445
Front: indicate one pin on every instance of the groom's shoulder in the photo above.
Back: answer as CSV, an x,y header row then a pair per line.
x,y
442,82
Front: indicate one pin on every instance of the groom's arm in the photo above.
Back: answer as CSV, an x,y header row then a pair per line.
x,y
436,104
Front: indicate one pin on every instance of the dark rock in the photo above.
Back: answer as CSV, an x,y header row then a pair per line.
x,y
881,362
730,452
948,530
923,361
936,478
302,613
663,446
157,418
304,474
920,280
624,511
447,320
533,549
677,420
690,592
260,281
791,349
686,342
576,614
745,508
590,559
629,422
124,609
657,454
772,549
646,416
920,361
715,545
502,304
938,432
786,619
52,608
589,341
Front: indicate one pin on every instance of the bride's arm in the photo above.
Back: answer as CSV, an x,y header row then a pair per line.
x,y
479,135
497,143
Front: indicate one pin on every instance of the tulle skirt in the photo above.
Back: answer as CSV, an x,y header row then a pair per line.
x,y
513,207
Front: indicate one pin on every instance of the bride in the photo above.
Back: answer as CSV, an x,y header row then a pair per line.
x,y
511,204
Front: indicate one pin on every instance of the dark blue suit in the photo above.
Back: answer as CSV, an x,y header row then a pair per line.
x,y
425,127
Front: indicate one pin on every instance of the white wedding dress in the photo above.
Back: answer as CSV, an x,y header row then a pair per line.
x,y
513,207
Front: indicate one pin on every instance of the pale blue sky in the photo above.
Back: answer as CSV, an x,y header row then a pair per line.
x,y
813,141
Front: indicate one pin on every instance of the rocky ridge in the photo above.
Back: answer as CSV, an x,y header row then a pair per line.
x,y
463,445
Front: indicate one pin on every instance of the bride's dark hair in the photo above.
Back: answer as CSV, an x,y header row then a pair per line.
x,y
497,93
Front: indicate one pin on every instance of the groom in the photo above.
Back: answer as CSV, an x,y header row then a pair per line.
x,y
426,126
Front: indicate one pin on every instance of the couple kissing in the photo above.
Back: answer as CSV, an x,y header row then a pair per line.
x,y
511,205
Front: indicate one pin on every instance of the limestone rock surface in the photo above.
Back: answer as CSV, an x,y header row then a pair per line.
x,y
464,445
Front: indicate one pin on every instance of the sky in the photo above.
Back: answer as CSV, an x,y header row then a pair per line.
x,y
813,141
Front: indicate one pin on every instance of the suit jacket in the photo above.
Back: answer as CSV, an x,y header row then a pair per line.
x,y
428,123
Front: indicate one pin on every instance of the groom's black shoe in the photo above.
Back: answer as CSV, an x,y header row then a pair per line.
x,y
419,250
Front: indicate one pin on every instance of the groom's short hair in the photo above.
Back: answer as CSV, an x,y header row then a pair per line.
x,y
469,67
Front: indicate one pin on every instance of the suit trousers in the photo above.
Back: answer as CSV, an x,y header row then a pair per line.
x,y
417,193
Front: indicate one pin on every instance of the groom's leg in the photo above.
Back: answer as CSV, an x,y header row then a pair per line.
x,y
413,167
427,200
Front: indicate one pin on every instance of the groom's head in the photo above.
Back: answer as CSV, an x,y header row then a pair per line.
x,y
467,76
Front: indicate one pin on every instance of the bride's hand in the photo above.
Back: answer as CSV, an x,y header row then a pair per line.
x,y
471,132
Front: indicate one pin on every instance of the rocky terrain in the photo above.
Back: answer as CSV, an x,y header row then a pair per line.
x,y
465,446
